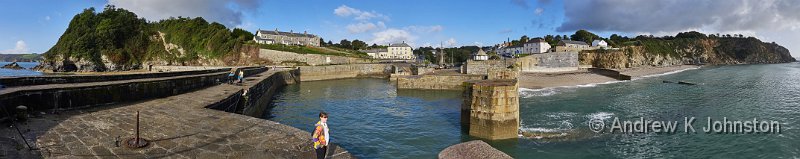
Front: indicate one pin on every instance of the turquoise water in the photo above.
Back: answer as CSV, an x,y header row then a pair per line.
x,y
23,72
369,118
372,120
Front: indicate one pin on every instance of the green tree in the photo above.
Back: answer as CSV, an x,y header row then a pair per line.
x,y
359,45
243,34
549,39
523,39
585,36
691,34
345,44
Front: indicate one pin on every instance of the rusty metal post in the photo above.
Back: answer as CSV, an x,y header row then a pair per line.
x,y
137,129
136,141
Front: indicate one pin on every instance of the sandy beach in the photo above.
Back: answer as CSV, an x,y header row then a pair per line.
x,y
580,77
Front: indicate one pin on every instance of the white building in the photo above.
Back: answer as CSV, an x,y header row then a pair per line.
x,y
599,44
480,56
401,51
394,51
286,38
378,53
536,46
510,50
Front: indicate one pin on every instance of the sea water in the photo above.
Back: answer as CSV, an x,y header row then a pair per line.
x,y
21,72
371,119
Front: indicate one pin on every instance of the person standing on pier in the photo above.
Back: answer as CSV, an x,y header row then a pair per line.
x,y
241,76
321,136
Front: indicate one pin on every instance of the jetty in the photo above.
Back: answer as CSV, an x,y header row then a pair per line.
x,y
190,114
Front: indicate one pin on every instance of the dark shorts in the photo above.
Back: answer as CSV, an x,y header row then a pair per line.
x,y
321,152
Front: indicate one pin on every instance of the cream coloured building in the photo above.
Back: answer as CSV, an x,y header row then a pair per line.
x,y
400,51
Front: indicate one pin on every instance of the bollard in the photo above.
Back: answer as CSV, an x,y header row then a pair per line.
x,y
22,113
136,141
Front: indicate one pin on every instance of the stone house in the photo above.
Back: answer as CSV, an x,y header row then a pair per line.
x,y
570,46
286,38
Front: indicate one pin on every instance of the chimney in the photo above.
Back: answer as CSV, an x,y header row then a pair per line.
x,y
276,29
291,31
305,32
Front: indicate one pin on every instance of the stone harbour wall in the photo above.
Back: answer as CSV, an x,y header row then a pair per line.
x,y
549,62
482,67
436,82
254,100
164,68
63,79
610,73
282,57
77,96
316,73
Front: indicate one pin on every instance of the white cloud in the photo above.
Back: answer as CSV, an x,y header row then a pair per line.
x,y
427,44
47,18
19,48
227,12
539,11
345,11
425,29
774,19
450,42
362,27
392,35
672,16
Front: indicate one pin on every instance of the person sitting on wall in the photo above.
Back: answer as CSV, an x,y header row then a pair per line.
x,y
230,75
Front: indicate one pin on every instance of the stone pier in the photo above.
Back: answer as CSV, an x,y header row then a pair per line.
x,y
491,107
176,126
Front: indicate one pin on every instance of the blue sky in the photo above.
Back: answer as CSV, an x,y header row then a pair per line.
x,y
35,25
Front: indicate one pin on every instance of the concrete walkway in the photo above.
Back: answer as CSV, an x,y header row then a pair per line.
x,y
178,127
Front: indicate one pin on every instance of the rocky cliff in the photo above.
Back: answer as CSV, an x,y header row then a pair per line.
x,y
712,51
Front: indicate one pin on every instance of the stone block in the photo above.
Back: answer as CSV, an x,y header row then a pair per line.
x,y
492,109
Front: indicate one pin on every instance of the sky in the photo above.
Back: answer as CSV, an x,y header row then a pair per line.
x,y
34,26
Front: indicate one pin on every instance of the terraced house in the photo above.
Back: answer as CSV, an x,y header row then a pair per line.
x,y
399,51
286,38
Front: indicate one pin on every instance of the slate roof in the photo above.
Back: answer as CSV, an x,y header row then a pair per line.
x,y
536,40
272,32
376,50
481,52
574,42
399,45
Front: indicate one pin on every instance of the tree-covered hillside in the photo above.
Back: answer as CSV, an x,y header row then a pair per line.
x,y
116,39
